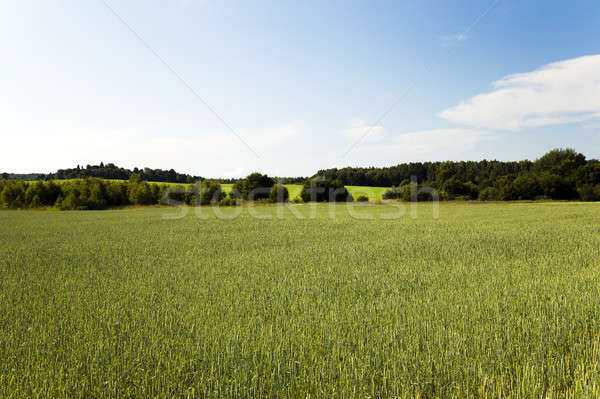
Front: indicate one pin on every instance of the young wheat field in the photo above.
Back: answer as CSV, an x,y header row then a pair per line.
x,y
488,300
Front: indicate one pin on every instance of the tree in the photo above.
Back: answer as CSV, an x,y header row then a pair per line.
x,y
71,201
525,187
279,193
13,195
135,178
454,188
228,201
140,194
320,189
590,192
97,196
559,160
209,192
557,187
393,193
489,194
255,186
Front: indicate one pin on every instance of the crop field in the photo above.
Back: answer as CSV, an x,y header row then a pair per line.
x,y
488,300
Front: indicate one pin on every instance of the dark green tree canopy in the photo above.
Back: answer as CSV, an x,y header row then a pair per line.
x,y
279,193
255,186
320,189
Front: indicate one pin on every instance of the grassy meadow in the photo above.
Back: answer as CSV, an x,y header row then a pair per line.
x,y
489,300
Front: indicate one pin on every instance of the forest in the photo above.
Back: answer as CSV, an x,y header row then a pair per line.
x,y
561,174
109,171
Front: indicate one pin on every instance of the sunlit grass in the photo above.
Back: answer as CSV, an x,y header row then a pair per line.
x,y
490,300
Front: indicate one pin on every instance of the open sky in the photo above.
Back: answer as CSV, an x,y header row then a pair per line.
x,y
224,88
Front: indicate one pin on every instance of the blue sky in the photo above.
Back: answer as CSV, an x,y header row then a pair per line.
x,y
299,82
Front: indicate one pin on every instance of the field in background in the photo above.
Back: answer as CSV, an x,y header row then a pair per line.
x,y
490,299
374,193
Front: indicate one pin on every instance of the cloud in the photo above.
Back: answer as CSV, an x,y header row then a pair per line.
x,y
561,92
360,131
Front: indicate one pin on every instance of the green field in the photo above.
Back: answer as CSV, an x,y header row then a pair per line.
x,y
489,300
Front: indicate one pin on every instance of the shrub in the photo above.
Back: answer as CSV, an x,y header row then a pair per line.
x,y
362,198
228,201
297,200
279,193
393,193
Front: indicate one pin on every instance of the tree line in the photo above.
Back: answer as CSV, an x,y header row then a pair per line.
x,y
112,172
107,171
561,174
95,193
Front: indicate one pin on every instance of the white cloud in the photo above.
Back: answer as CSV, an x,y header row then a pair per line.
x,y
360,131
561,92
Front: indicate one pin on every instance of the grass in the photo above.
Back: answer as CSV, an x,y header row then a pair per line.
x,y
489,300
373,193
